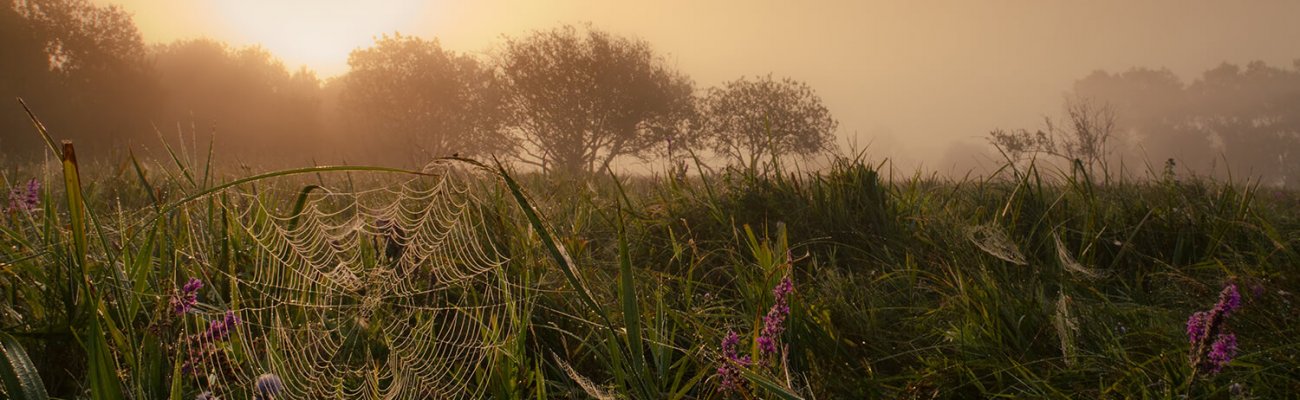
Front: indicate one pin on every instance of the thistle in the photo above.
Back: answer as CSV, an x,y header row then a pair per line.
x,y
268,386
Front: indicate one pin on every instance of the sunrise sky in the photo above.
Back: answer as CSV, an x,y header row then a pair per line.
x,y
911,78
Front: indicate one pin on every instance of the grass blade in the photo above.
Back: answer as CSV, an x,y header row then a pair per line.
x,y
300,203
556,250
16,370
631,310
76,204
101,373
185,170
144,182
40,128
774,388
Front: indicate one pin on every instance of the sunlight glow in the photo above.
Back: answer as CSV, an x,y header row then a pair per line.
x,y
318,34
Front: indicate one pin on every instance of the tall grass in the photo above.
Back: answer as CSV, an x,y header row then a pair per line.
x,y
633,282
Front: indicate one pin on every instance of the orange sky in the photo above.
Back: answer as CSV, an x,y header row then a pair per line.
x,y
910,77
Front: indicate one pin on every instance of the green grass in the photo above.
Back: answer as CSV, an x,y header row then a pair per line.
x,y
631,283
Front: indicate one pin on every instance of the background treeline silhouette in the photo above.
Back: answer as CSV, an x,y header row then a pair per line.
x,y
1242,121
569,99
1229,123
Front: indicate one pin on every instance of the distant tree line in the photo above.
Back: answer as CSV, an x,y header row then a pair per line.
x,y
569,100
1231,120
82,66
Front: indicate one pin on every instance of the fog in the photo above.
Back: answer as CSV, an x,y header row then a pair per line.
x,y
920,83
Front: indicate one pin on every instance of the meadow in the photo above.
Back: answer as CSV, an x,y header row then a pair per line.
x,y
186,278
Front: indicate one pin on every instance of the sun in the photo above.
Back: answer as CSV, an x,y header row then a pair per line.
x,y
318,34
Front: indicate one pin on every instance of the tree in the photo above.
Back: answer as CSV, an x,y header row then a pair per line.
x,y
91,80
424,98
750,120
582,99
1253,113
26,74
1244,116
1150,116
1084,138
245,97
81,36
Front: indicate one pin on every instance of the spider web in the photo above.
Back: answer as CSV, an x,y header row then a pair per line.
x,y
392,293
1070,264
995,242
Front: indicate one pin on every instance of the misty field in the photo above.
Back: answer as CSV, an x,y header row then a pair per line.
x,y
168,279
298,199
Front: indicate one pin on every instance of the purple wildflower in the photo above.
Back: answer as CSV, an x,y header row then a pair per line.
x,y
1229,299
180,306
766,344
1222,352
220,329
25,198
768,339
774,321
728,371
202,347
33,194
192,286
730,345
217,330
1212,347
199,351
1196,327
184,301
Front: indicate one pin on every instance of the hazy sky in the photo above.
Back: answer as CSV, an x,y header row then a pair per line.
x,y
909,77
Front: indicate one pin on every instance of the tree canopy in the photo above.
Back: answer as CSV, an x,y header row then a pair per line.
x,y
1244,116
1082,136
245,97
581,98
418,98
570,100
82,65
748,120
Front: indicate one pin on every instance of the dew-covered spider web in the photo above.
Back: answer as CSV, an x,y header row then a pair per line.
x,y
389,293
995,242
